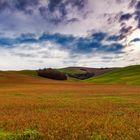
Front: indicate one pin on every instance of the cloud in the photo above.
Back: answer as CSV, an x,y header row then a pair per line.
x,y
75,45
132,3
60,11
21,5
67,32
49,54
135,40
124,29
138,5
60,16
137,13
125,17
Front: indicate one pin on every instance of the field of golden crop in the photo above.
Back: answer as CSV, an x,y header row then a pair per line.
x,y
36,108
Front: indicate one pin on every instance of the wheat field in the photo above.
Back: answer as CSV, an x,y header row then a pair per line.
x,y
34,108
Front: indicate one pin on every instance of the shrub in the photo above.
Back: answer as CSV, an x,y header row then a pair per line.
x,y
52,74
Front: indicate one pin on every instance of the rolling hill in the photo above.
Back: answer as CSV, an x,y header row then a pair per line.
x,y
126,75
78,70
82,73
69,71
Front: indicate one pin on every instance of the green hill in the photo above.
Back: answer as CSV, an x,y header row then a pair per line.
x,y
127,75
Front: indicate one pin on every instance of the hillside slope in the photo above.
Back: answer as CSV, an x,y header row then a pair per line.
x,y
26,72
78,70
127,75
69,71
18,77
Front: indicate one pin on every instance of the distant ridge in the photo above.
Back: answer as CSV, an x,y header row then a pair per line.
x,y
75,71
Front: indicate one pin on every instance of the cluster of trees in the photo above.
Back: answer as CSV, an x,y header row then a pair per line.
x,y
52,74
82,76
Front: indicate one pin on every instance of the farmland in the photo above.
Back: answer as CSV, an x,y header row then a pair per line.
x,y
38,108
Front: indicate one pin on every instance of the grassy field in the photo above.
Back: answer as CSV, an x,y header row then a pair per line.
x,y
128,75
33,108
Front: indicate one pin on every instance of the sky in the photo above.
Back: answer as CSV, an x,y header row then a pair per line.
x,y
60,33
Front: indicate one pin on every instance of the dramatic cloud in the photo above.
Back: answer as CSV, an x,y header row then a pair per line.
x,y
57,33
74,44
135,40
125,17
